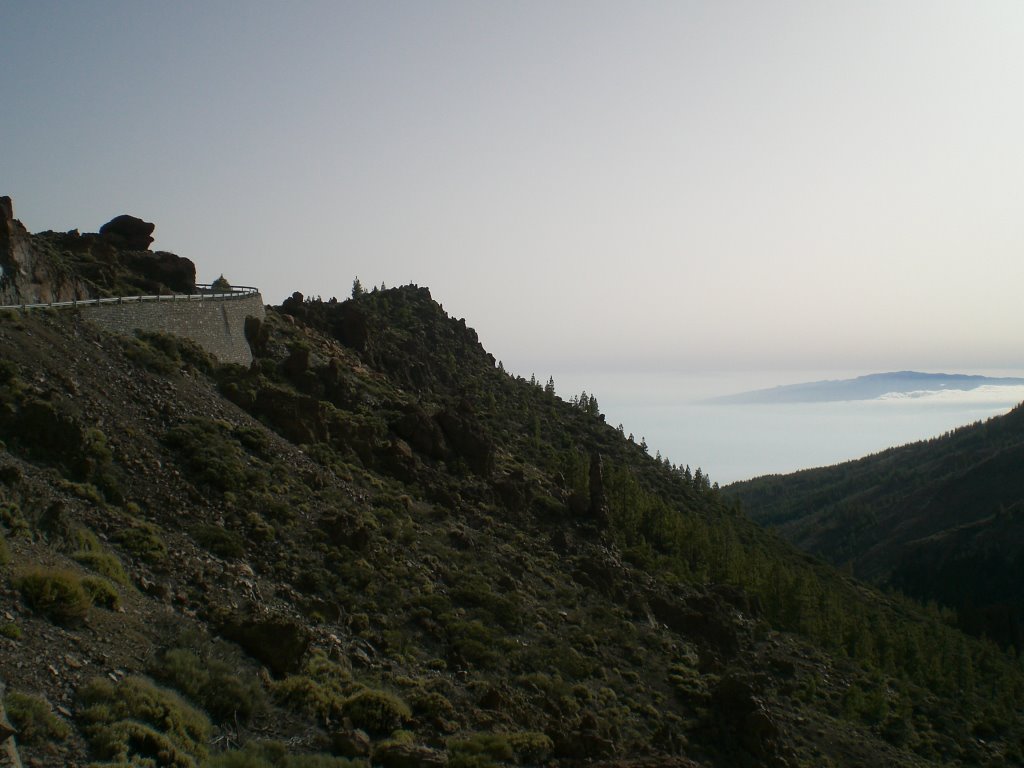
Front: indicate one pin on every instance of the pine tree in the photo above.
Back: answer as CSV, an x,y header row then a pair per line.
x,y
357,288
549,388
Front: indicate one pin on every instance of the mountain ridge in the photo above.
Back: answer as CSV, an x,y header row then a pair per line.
x,y
867,387
938,518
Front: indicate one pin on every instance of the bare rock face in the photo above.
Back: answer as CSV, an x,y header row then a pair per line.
x,y
28,275
129,232
163,268
15,252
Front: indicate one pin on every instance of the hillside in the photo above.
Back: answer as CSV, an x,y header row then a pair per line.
x,y
375,546
941,520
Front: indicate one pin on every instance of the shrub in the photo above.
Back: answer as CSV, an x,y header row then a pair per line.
x,y
56,594
11,516
5,552
305,695
376,712
101,592
219,541
103,563
212,684
213,454
143,540
10,630
431,704
479,751
135,719
530,747
34,719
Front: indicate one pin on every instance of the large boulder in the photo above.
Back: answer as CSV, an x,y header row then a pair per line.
x,y
129,232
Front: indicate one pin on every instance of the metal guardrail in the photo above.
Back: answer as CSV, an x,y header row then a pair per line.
x,y
204,292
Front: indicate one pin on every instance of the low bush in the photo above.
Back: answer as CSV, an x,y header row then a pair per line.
x,y
531,747
219,541
210,683
56,594
34,719
273,754
104,563
143,541
482,750
101,592
137,721
305,695
87,550
376,712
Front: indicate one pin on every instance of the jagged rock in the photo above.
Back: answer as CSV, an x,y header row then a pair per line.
x,y
278,642
297,417
396,458
514,491
297,362
129,232
420,431
744,718
467,439
257,334
353,327
163,268
27,274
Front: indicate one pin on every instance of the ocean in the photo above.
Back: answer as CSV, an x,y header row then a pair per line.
x,y
733,442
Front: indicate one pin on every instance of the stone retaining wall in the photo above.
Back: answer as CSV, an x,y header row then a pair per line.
x,y
217,325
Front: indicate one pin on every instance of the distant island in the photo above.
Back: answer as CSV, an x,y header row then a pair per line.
x,y
869,387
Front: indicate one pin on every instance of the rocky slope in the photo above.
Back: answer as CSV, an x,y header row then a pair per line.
x,y
375,545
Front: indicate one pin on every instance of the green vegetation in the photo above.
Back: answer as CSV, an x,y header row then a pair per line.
x,y
34,719
56,594
101,592
137,720
87,551
265,754
143,540
210,683
376,712
942,520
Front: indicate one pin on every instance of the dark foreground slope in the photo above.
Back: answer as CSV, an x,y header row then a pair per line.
x,y
941,519
375,544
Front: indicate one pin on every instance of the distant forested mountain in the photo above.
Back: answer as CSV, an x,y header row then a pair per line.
x,y
941,519
866,387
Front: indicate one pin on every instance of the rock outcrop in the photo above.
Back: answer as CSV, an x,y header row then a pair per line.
x,y
67,266
163,268
129,232
29,275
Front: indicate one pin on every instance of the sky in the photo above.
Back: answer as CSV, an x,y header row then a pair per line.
x,y
660,186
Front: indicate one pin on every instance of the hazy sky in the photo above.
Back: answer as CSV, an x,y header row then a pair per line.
x,y
681,185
